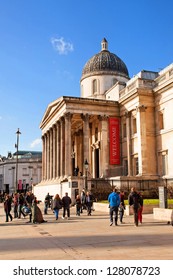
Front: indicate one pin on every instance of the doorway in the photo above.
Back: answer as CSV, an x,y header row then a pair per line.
x,y
97,171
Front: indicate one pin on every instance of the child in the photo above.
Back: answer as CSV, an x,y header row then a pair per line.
x,y
121,212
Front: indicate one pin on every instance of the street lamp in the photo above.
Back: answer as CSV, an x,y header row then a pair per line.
x,y
86,164
31,184
17,146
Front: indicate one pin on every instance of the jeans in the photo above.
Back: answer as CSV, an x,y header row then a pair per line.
x,y
121,215
114,212
56,212
20,211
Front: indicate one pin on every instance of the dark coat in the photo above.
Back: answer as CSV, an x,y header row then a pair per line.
x,y
134,200
7,205
66,200
57,204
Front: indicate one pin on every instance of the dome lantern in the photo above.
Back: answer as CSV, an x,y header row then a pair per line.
x,y
104,45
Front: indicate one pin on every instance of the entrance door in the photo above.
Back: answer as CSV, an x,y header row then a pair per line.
x,y
97,172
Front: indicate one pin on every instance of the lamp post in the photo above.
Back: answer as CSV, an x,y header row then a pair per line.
x,y
86,164
31,184
17,146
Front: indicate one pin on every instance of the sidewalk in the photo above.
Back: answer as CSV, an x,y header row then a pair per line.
x,y
85,238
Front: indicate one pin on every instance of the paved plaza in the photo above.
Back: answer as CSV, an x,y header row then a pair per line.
x,y
85,238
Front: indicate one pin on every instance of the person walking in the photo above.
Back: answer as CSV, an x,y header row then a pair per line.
x,y
15,204
83,200
57,205
121,212
134,201
7,207
140,210
78,205
66,201
21,203
46,203
122,206
114,202
89,202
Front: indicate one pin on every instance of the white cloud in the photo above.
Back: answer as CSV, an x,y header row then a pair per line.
x,y
61,46
36,142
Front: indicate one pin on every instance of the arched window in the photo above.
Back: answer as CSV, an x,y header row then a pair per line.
x,y
94,86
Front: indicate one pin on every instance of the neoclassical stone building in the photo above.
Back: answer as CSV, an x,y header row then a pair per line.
x,y
122,127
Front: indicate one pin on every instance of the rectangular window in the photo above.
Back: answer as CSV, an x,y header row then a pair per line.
x,y
164,164
134,125
161,120
124,130
125,167
135,166
94,86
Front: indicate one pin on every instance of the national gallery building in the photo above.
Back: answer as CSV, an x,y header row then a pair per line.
x,y
118,133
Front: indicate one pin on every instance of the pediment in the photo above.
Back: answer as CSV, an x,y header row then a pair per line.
x,y
50,110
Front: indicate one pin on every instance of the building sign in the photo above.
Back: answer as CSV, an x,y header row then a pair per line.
x,y
74,184
114,134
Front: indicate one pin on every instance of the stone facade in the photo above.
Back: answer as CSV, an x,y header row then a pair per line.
x,y
29,172
75,129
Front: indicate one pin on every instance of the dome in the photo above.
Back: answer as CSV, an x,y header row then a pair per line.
x,y
105,62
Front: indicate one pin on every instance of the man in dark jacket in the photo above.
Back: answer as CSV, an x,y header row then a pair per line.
x,y
134,201
114,202
7,207
66,200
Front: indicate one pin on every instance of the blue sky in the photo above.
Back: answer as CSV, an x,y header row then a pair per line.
x,y
44,45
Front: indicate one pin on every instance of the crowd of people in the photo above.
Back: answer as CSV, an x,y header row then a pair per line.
x,y
84,201
22,204
27,205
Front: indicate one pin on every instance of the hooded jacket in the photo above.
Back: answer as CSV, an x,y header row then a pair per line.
x,y
114,199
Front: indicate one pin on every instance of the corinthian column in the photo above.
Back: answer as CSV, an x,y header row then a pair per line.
x,y
85,119
142,139
104,145
51,154
68,146
48,155
62,148
54,152
129,145
58,149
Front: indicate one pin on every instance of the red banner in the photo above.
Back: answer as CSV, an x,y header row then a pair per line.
x,y
114,134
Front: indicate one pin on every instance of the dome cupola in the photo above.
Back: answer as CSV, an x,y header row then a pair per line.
x,y
102,72
104,62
